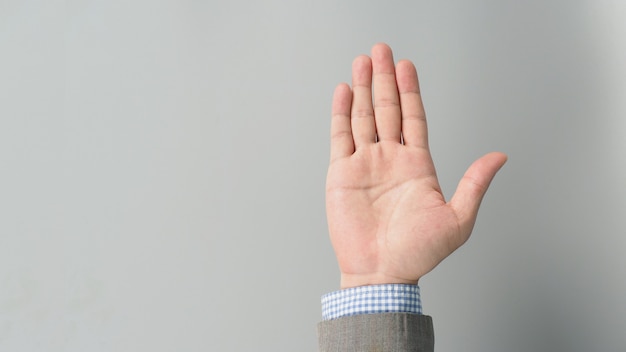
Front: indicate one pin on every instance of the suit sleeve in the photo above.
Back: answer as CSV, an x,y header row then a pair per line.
x,y
394,332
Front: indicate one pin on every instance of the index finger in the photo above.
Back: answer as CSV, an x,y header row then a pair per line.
x,y
414,128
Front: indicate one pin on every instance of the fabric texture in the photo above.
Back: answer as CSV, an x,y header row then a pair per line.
x,y
392,332
387,298
375,318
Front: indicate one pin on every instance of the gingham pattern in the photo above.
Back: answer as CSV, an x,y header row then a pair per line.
x,y
388,298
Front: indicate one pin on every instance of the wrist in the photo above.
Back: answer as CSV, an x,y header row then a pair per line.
x,y
356,280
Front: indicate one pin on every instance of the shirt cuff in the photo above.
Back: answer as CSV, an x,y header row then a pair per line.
x,y
387,298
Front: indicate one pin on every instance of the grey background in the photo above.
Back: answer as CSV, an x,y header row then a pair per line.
x,y
162,170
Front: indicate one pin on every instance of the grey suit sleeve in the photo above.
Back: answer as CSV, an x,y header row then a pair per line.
x,y
394,332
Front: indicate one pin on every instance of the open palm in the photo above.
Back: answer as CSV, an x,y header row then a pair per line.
x,y
388,220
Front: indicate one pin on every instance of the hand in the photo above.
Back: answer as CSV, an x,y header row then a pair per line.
x,y
388,220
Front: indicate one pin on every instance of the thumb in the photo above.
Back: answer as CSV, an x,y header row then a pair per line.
x,y
473,186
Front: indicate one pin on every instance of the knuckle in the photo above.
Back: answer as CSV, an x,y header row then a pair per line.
x,y
363,113
387,102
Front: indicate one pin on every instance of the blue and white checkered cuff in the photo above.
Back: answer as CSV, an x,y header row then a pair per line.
x,y
387,298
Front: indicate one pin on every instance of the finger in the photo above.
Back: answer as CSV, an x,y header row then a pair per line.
x,y
386,101
472,188
414,129
341,143
363,126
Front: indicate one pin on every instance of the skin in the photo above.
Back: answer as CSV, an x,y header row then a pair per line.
x,y
387,217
